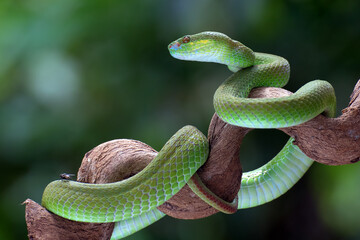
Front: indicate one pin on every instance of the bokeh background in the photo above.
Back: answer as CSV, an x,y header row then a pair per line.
x,y
74,74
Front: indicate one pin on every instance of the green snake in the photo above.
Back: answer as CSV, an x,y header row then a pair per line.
x,y
132,203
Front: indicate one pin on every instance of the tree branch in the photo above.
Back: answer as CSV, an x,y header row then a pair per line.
x,y
332,141
328,141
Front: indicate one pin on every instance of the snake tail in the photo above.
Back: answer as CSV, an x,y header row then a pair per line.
x,y
199,188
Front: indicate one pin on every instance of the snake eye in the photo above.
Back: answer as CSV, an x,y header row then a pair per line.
x,y
186,39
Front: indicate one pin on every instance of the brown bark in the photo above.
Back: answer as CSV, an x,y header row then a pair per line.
x,y
329,141
332,141
42,224
108,162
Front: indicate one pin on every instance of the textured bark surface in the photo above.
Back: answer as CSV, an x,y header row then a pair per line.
x,y
44,225
329,141
109,162
332,141
114,161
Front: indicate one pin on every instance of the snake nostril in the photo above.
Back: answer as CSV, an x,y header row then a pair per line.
x,y
174,45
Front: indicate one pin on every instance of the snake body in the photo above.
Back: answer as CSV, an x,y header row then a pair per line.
x,y
132,203
174,165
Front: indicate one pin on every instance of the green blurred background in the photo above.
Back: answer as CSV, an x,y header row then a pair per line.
x,y
74,74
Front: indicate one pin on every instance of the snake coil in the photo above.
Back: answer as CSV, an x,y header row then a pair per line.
x,y
132,203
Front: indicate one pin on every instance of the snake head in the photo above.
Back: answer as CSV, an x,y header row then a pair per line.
x,y
212,47
197,47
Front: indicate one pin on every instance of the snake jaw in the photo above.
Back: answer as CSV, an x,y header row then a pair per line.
x,y
192,52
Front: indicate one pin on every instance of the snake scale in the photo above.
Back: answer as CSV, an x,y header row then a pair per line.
x,y
131,203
